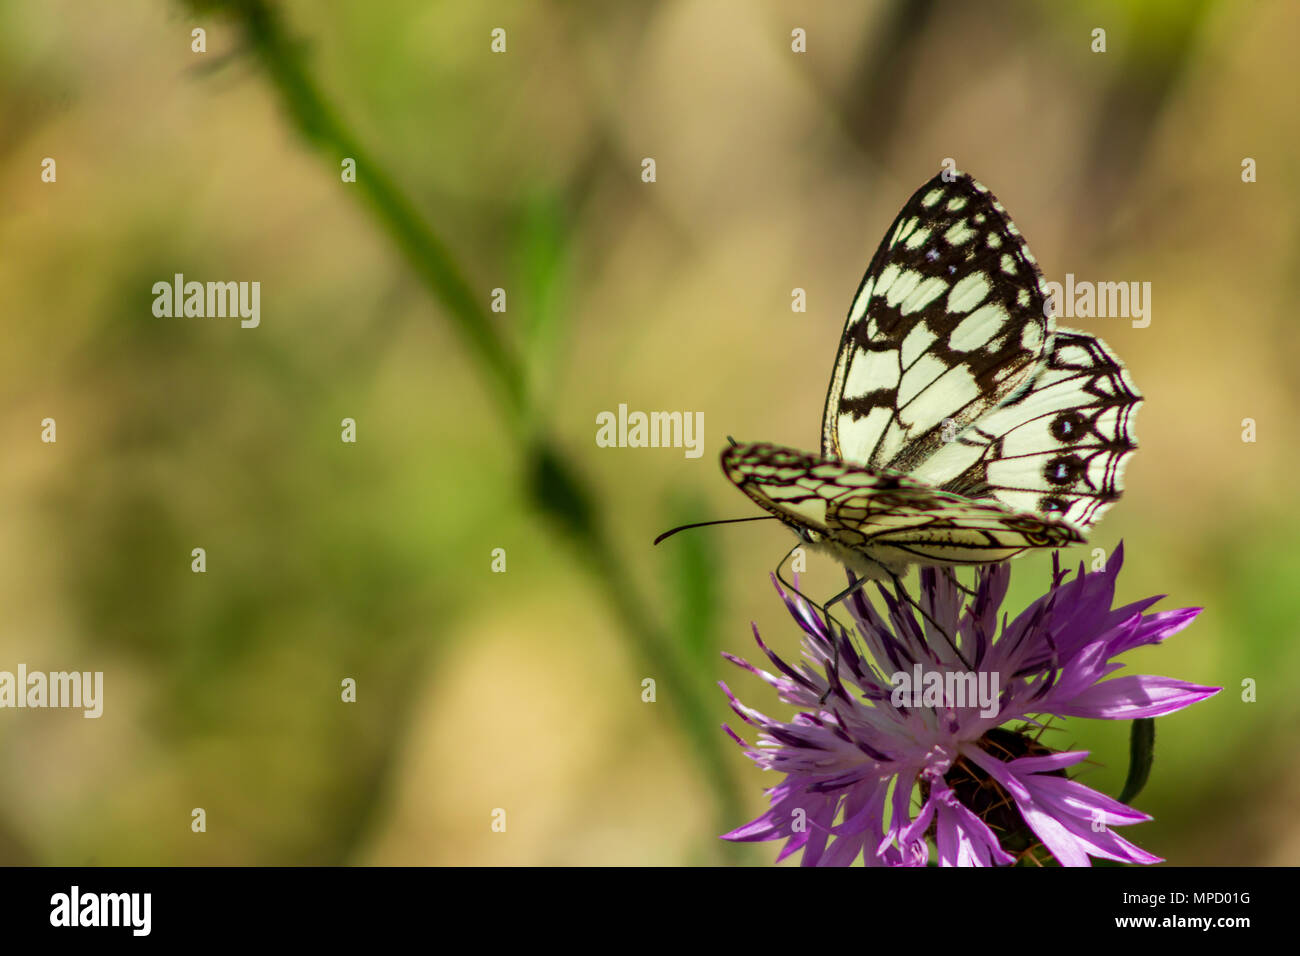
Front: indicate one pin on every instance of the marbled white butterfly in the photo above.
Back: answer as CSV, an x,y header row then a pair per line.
x,y
961,427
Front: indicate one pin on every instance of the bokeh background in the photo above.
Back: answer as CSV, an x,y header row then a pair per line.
x,y
522,690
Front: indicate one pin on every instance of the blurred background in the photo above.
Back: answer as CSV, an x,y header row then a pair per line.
x,y
522,690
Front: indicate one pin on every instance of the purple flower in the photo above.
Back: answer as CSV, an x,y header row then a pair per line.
x,y
945,704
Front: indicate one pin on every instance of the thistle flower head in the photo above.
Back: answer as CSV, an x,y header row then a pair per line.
x,y
948,704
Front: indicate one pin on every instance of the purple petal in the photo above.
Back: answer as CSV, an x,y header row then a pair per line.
x,y
1127,698
962,838
1072,821
1155,628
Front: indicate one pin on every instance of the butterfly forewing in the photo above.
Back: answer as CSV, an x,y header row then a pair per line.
x,y
948,323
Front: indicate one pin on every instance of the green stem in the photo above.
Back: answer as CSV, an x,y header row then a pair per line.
x,y
553,482
1142,754
423,250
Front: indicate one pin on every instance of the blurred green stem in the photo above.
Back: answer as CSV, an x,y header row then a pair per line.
x,y
423,250
553,482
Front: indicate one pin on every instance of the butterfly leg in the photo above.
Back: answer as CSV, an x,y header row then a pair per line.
x,y
903,593
856,584
952,643
961,587
835,647
786,584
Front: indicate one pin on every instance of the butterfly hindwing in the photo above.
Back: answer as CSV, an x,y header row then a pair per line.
x,y
1059,448
948,323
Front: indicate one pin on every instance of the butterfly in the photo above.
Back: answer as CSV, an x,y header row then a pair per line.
x,y
961,426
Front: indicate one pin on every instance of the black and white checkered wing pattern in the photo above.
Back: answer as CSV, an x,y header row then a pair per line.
x,y
960,426
1057,449
948,323
873,520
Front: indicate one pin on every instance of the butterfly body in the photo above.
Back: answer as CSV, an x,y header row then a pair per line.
x,y
961,426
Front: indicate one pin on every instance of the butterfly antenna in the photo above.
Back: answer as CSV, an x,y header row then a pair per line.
x,y
705,524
